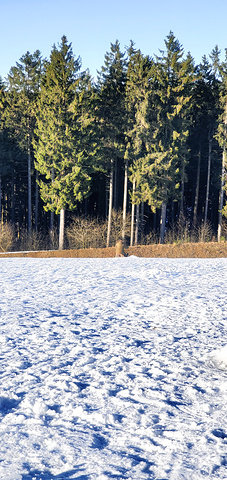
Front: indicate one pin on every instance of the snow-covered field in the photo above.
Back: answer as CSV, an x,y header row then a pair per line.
x,y
113,369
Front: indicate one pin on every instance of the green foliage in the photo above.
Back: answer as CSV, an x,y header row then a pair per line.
x,y
21,101
139,73
162,117
110,106
60,150
161,168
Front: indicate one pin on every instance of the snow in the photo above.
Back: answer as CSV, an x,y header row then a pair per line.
x,y
113,369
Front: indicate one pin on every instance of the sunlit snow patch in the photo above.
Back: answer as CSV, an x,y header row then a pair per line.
x,y
219,358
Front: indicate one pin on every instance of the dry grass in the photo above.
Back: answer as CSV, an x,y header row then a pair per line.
x,y
185,250
6,237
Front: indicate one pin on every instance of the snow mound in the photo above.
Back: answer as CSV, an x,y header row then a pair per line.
x,y
219,358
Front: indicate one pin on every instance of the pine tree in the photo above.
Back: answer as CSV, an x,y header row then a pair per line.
x,y
139,71
4,165
111,88
161,172
222,139
205,111
23,86
61,157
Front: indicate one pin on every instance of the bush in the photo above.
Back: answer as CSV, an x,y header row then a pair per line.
x,y
180,231
224,229
30,241
89,232
117,226
150,238
86,232
203,232
6,237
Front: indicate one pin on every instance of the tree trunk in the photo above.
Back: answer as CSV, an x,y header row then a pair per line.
x,y
137,224
62,229
13,198
115,187
182,189
197,189
208,178
36,201
125,200
0,200
142,219
163,222
221,197
132,215
110,205
29,191
52,216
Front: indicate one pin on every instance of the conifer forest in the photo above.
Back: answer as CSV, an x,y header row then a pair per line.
x,y
138,152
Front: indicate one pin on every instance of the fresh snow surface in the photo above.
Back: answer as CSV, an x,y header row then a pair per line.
x,y
113,369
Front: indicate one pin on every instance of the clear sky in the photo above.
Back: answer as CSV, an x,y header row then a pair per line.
x,y
91,25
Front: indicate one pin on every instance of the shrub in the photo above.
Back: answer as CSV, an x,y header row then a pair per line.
x,y
202,232
30,241
150,238
86,232
6,237
180,231
224,228
117,226
89,232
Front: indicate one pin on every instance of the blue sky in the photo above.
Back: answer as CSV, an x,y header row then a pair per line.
x,y
91,25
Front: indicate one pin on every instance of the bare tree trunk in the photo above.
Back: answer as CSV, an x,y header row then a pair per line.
x,y
137,224
221,197
51,222
110,205
208,178
182,189
36,200
29,191
142,218
52,216
163,222
115,186
132,215
197,188
125,200
13,198
61,229
0,199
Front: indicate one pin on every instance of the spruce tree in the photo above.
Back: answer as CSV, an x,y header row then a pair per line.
x,y
222,140
161,172
23,86
139,72
204,155
111,112
61,157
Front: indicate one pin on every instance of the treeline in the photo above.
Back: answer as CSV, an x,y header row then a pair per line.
x,y
146,139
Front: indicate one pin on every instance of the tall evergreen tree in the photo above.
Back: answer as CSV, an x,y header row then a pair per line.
x,y
23,86
222,139
60,155
205,111
139,72
161,172
111,87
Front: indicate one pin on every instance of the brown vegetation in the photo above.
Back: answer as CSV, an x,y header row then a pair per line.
x,y
184,250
